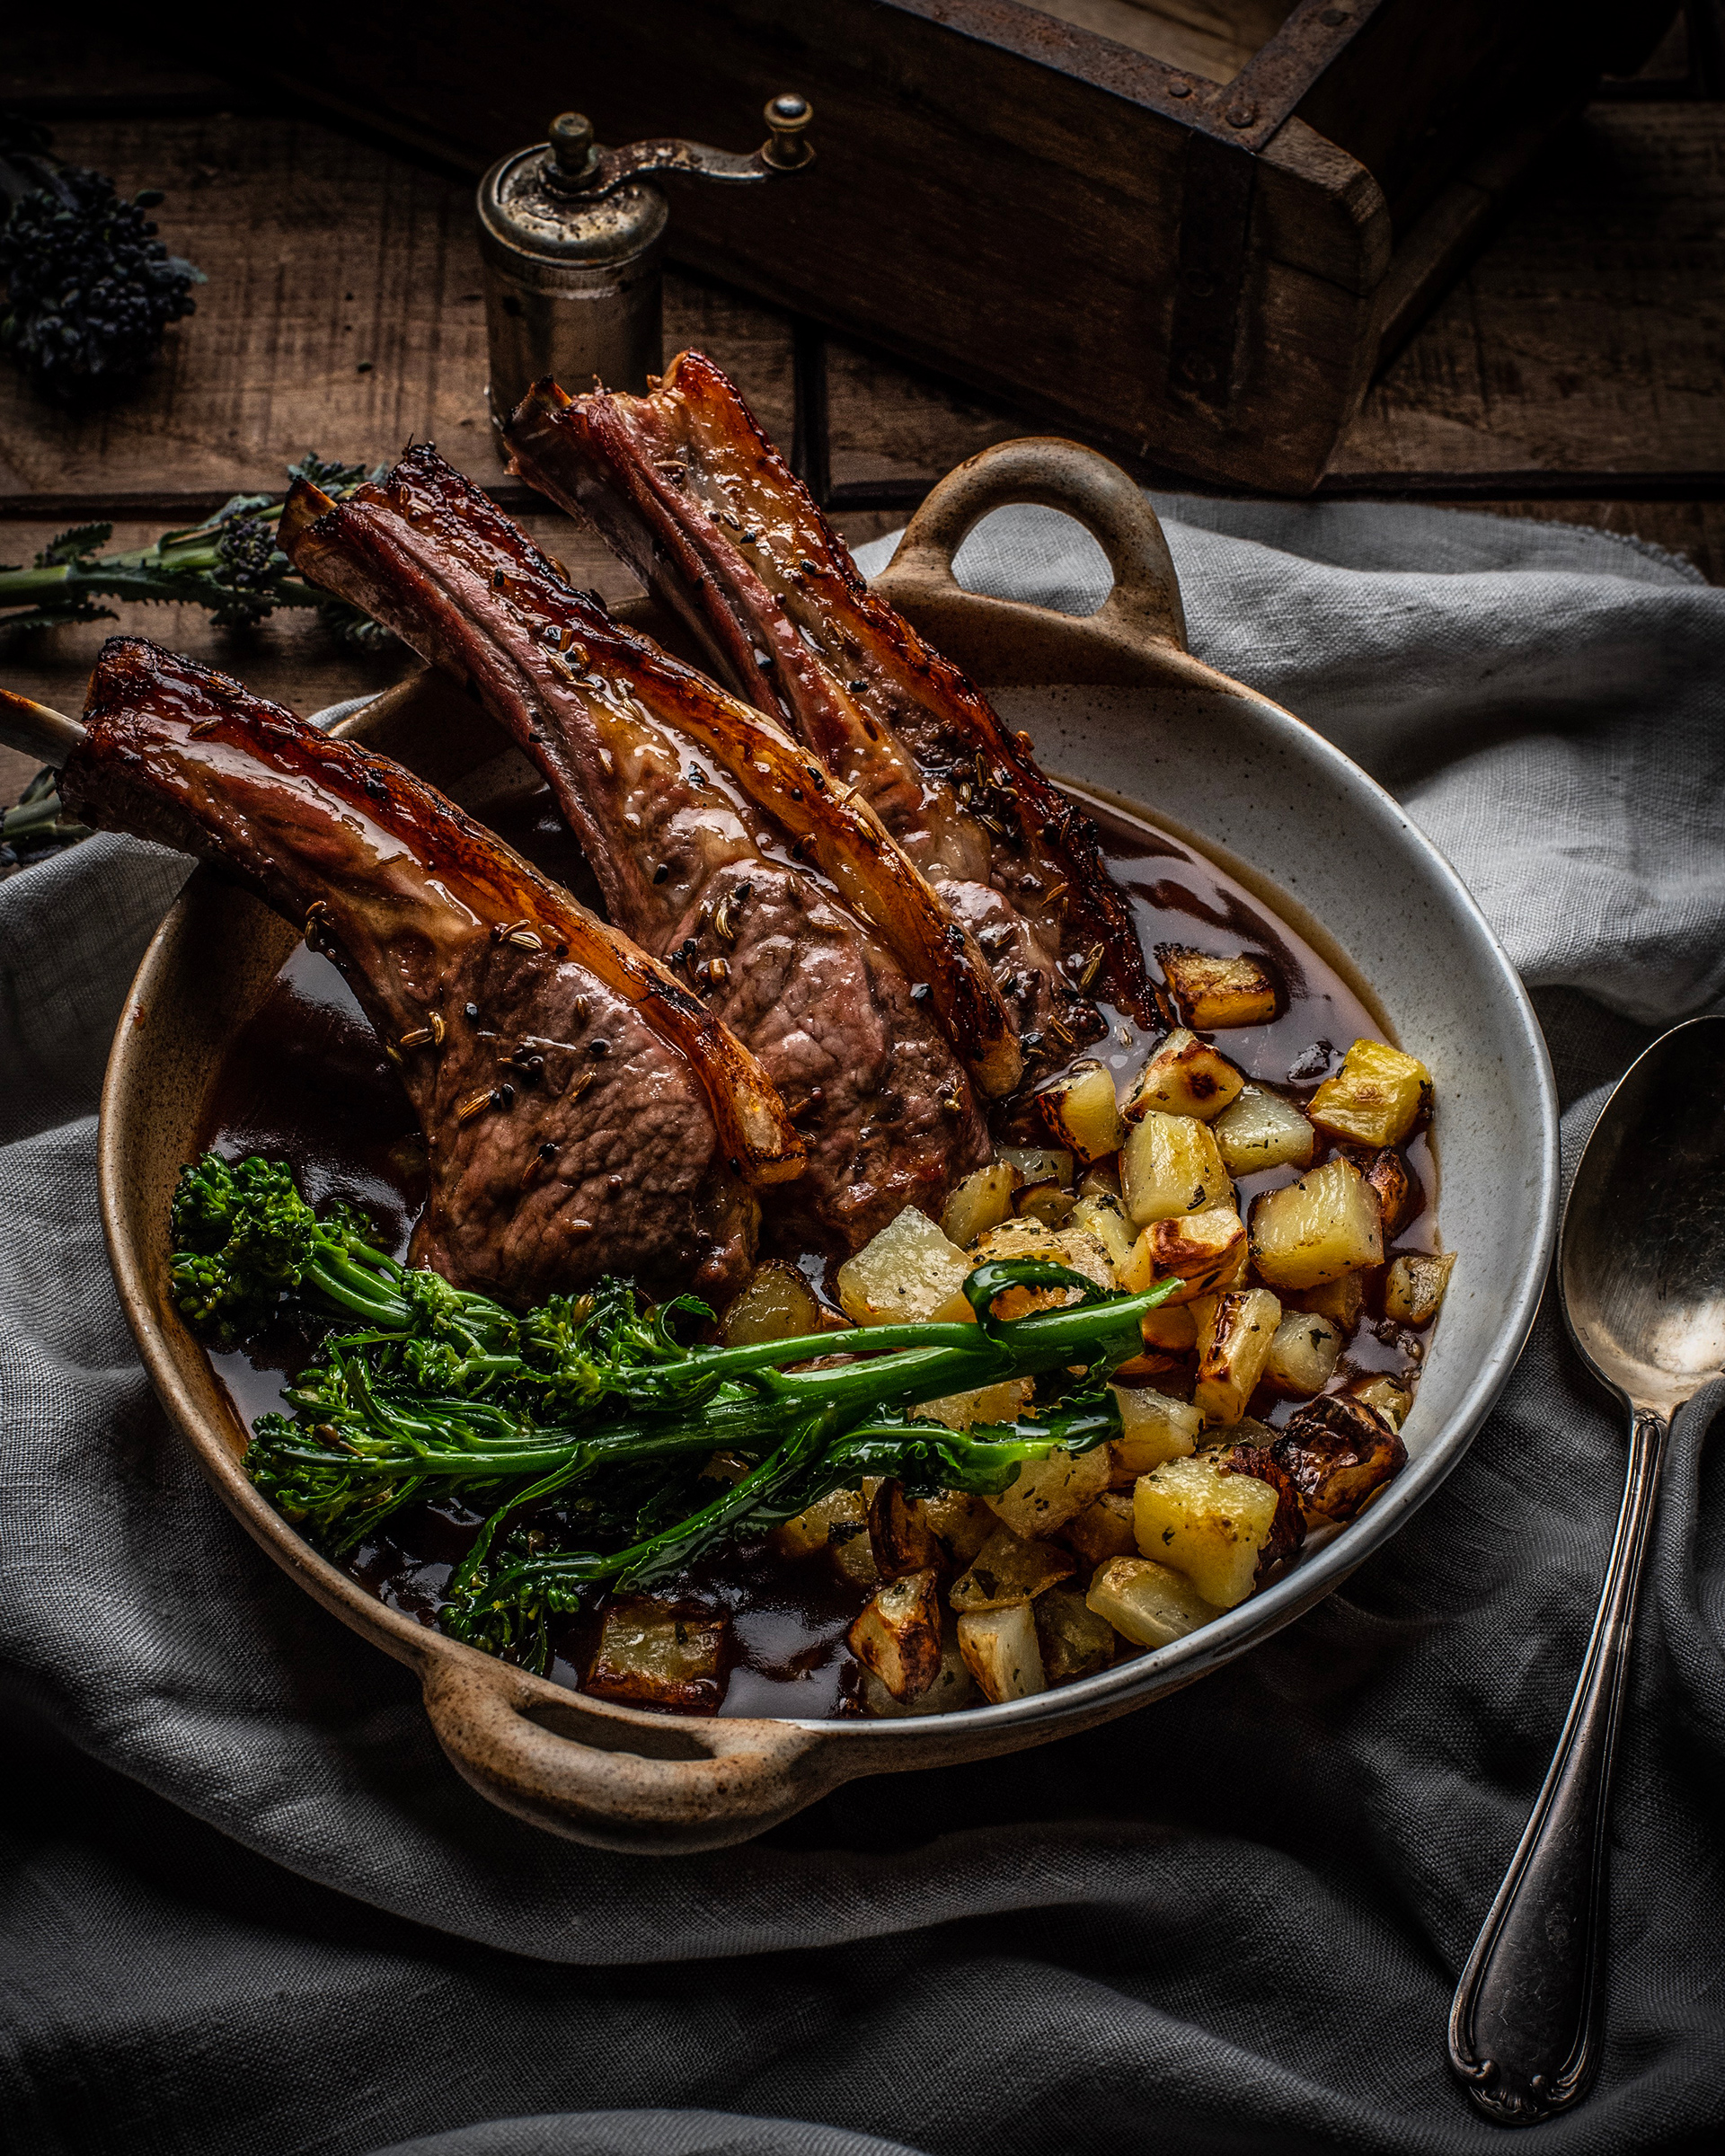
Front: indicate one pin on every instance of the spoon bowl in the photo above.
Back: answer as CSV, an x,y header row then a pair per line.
x,y
1640,1271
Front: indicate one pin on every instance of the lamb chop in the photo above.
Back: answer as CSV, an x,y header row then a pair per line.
x,y
706,827
583,1113
689,491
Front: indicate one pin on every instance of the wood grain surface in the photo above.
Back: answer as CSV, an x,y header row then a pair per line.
x,y
1576,371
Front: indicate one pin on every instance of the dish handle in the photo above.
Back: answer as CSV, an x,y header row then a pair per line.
x,y
615,1779
1133,632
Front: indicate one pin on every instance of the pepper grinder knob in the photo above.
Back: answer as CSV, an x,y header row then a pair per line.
x,y
574,151
787,145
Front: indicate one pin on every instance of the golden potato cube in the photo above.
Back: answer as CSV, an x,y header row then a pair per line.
x,y
1414,1287
1081,1111
1302,1355
776,1304
1201,1250
953,1686
981,1202
897,1634
1002,1653
1048,1202
1147,1602
989,1403
1186,1076
1326,1224
1376,1097
1169,1165
1214,992
962,1523
1074,1247
1047,1493
1102,1530
1075,1642
1101,1179
1262,1130
1102,1215
1153,1428
1006,1569
1234,1345
1173,1328
899,1533
909,1272
837,1524
1391,1398
1039,1163
656,1656
1340,1301
1209,1523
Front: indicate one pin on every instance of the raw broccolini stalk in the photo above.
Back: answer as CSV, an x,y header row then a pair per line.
x,y
229,563
584,1427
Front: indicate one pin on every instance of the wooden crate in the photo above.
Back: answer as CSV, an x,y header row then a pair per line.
x,y
1188,229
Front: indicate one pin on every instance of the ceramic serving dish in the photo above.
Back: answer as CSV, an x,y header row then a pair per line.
x,y
1115,703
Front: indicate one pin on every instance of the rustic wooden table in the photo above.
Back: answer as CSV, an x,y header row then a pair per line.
x,y
1577,371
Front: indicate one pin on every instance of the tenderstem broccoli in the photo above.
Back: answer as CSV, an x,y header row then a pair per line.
x,y
582,1428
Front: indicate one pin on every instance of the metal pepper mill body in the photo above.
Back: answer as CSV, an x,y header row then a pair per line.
x,y
572,239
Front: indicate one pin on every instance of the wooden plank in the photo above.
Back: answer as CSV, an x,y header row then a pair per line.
x,y
343,312
1590,336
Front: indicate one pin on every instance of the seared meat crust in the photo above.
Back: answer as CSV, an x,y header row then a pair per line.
x,y
567,1129
691,863
686,487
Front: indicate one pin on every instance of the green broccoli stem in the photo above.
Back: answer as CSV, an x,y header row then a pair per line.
x,y
170,569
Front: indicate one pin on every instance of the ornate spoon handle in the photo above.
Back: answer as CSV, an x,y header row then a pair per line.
x,y
1524,2029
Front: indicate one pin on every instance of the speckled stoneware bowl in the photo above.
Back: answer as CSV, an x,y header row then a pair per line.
x,y
1129,712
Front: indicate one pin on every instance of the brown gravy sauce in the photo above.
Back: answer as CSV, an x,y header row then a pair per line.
x,y
304,1081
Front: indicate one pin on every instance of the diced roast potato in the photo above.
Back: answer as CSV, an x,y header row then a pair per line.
x,y
1213,993
1302,1355
1388,1174
1173,1328
1336,1453
1101,1215
1074,1247
837,1524
1390,1399
1376,1097
1153,1428
1048,1202
1039,1163
1203,1252
1221,1518
987,1403
1100,1179
898,1635
1149,1604
962,1523
953,1686
1001,1651
1009,1569
907,1273
981,1202
776,1304
1414,1287
1102,1530
1186,1076
1047,1493
901,1533
1080,1111
1340,1301
657,1657
1326,1224
1169,1165
1262,1130
1074,1640
1234,1345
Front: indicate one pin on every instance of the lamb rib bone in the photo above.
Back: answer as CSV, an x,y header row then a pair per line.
x,y
623,1139
688,491
696,864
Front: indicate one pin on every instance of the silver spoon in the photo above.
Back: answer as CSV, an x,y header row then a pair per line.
x,y
1641,1269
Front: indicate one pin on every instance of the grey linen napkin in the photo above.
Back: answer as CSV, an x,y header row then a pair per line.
x,y
250,1907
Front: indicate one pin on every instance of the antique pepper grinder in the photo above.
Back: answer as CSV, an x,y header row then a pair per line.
x,y
573,242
